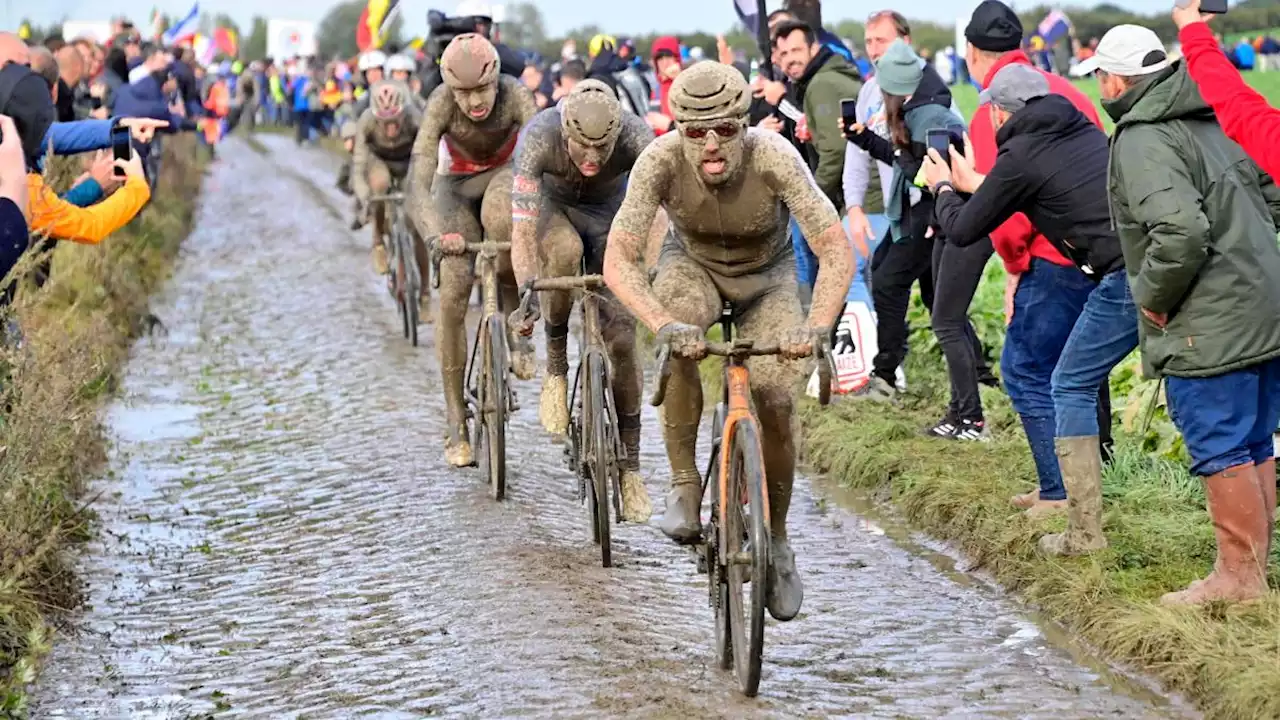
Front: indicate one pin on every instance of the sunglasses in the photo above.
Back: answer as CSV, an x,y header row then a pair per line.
x,y
724,131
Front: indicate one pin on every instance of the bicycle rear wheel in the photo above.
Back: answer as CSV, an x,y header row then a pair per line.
x,y
493,409
413,282
746,540
599,456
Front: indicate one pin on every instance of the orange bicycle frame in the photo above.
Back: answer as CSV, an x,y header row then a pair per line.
x,y
738,391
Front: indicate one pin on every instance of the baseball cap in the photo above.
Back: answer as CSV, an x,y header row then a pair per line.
x,y
1013,86
1128,51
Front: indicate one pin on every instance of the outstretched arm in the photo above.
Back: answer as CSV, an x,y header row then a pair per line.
x,y
624,257
537,143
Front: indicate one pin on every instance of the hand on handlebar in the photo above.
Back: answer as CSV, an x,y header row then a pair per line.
x,y
452,244
686,341
797,343
523,318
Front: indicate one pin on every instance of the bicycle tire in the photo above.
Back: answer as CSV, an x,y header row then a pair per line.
x,y
413,283
602,470
746,477
495,408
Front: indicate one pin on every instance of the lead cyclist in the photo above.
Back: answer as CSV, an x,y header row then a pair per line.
x,y
727,190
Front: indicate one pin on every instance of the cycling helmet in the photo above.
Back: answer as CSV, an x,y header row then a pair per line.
x,y
590,114
400,62
372,59
469,62
709,91
599,43
387,100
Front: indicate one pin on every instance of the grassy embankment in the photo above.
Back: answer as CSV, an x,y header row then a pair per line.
x,y
77,331
1227,659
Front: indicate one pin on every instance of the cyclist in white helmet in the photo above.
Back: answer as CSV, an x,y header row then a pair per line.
x,y
370,68
404,69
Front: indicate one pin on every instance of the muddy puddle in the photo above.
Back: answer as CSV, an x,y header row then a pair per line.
x,y
280,536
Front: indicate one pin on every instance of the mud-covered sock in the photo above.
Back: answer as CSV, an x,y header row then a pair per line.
x,y
558,349
629,429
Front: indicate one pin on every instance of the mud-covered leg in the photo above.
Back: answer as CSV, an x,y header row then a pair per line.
x,y
457,277
559,254
688,294
619,329
495,217
773,390
379,182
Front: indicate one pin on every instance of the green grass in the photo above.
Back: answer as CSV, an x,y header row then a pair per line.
x,y
77,329
1267,83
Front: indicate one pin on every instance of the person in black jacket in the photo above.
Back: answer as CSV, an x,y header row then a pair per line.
x,y
1052,166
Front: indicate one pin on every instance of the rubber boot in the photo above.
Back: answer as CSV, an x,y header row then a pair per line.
x,y
1267,481
637,507
682,521
785,593
1080,460
1239,513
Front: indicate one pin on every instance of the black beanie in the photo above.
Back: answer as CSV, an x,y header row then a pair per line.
x,y
26,97
994,27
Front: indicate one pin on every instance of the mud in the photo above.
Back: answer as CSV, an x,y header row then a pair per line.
x,y
280,536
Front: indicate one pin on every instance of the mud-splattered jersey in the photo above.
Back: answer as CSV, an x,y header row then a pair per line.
x,y
737,228
543,166
372,141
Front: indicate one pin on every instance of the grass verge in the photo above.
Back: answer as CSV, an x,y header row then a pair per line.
x,y
77,330
1226,659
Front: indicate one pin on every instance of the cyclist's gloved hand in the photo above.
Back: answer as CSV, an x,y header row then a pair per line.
x,y
686,341
452,244
523,318
797,343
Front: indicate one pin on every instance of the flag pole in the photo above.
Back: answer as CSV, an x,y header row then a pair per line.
x,y
763,40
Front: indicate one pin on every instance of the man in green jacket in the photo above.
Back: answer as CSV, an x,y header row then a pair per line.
x,y
1197,223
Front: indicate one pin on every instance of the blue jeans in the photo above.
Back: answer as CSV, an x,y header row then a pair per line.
x,y
1227,420
1105,334
807,262
1046,307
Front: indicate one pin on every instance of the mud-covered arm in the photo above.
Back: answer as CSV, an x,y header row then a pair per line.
x,y
537,144
524,105
624,258
360,159
426,156
819,222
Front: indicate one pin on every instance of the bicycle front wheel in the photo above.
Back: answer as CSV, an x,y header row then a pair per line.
x,y
745,536
413,283
494,409
599,457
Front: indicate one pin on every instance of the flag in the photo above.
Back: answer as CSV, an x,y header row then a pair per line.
x,y
752,14
24,30
748,13
1054,26
185,28
375,23
204,49
157,23
225,40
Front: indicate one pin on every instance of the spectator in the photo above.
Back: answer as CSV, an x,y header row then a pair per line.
x,y
1268,53
1032,350
13,197
532,77
70,72
619,74
573,72
1245,55
1245,115
1052,165
666,66
1197,221
809,12
915,101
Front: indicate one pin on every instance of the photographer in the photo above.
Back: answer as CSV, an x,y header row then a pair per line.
x,y
444,29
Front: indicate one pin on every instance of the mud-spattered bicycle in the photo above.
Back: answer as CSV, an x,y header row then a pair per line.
x,y
736,540
405,280
594,451
490,400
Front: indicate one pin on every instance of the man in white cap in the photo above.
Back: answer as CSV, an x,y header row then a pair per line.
x,y
1197,223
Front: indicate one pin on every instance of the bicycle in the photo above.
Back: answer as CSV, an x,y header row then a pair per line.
x,y
490,400
735,547
594,451
405,281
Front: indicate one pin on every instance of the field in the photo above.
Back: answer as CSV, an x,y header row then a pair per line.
x,y
1225,658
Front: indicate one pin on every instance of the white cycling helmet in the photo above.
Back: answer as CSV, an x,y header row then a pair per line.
x,y
372,59
400,62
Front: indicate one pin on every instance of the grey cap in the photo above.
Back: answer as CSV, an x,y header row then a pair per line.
x,y
1013,86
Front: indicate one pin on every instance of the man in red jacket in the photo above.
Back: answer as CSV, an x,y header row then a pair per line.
x,y
1045,292
1246,117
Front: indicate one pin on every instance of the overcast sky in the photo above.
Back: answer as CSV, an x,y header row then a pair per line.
x,y
617,16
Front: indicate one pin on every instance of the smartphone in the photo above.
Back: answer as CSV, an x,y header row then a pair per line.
x,y
849,113
1217,7
940,139
120,148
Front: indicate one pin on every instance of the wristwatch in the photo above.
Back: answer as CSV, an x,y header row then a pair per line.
x,y
944,185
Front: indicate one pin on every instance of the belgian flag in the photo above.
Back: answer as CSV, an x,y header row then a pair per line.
x,y
375,23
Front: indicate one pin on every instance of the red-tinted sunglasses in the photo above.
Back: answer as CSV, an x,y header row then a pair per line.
x,y
725,131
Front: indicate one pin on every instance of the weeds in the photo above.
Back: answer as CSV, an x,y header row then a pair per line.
x,y
76,331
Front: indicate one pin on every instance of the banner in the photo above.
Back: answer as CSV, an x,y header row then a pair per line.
x,y
97,30
375,23
289,38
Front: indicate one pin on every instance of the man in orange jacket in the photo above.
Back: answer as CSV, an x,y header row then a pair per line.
x,y
58,219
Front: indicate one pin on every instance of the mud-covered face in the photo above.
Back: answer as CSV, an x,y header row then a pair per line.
x,y
590,158
477,103
400,75
715,148
391,129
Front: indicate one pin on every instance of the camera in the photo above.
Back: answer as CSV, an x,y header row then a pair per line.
x,y
442,29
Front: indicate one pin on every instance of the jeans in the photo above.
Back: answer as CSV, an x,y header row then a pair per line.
x,y
1046,306
956,274
895,267
302,122
1105,334
1227,420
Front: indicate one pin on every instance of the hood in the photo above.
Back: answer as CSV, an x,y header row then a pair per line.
x,y
1170,94
1048,115
827,61
931,91
670,43
607,63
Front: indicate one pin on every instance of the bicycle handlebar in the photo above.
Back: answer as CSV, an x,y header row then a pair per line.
x,y
743,349
568,282
389,197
